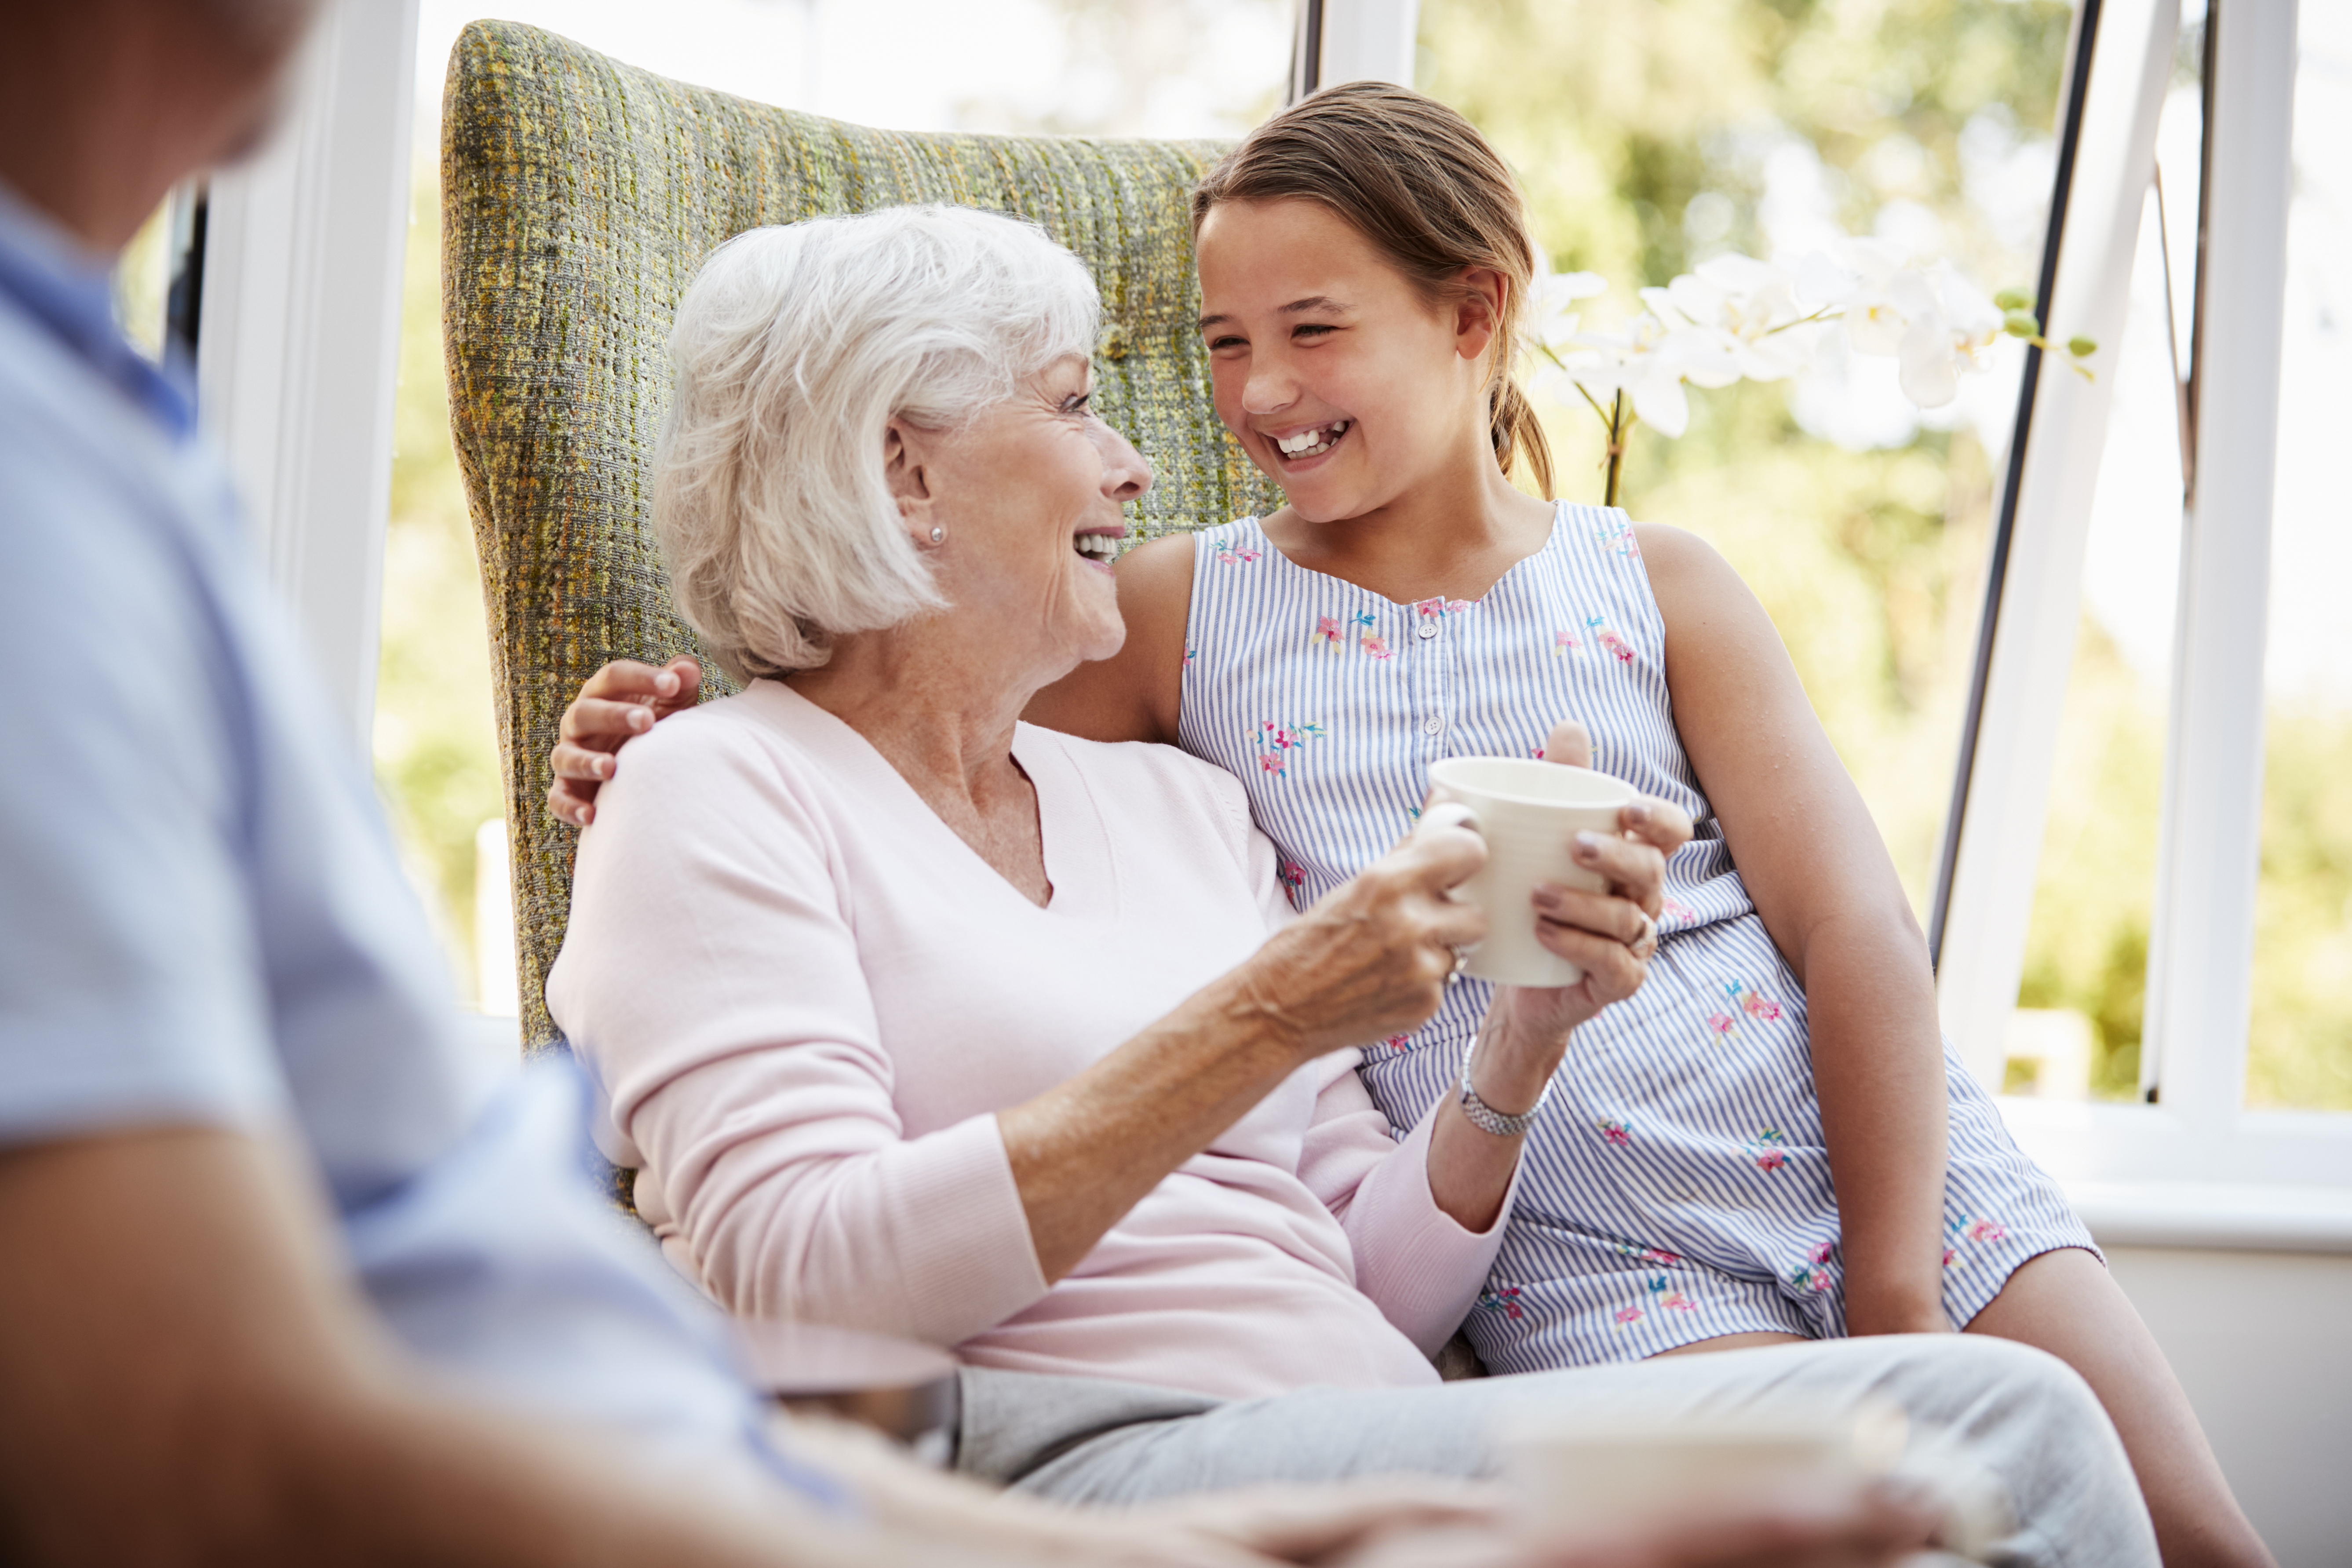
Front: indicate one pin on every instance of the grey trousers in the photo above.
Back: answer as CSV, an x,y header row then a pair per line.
x,y
2023,1415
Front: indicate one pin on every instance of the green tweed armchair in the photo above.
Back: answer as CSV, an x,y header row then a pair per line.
x,y
579,195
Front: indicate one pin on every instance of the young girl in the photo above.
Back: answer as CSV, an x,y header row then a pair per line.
x,y
1768,1141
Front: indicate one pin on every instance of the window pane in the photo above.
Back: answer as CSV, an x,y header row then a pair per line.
x,y
1150,68
1653,136
2301,1029
2076,1032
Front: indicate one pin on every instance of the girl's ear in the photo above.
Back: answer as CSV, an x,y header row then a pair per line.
x,y
1479,311
905,470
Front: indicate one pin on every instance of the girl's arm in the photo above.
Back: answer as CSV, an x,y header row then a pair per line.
x,y
1132,695
1812,860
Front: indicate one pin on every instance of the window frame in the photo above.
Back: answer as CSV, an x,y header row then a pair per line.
x,y
2196,1128
298,356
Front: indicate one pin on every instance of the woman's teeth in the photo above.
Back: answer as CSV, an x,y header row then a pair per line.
x,y
1312,443
1102,547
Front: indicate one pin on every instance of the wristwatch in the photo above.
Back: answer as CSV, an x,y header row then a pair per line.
x,y
1484,1117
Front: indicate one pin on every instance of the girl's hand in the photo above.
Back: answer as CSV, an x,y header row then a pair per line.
x,y
619,701
1371,958
1611,935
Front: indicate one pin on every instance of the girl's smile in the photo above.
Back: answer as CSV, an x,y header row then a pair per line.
x,y
1339,376
1307,445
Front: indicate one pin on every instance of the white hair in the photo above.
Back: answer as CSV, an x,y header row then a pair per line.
x,y
795,348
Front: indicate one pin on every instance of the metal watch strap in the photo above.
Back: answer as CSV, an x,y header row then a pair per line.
x,y
1484,1117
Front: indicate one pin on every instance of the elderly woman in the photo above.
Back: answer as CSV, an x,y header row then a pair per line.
x,y
917,1018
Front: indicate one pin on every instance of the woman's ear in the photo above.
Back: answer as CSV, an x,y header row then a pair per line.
x,y
904,468
1479,311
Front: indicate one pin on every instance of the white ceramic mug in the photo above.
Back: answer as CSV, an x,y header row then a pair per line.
x,y
1529,814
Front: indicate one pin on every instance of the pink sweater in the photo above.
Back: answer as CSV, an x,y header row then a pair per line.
x,y
805,998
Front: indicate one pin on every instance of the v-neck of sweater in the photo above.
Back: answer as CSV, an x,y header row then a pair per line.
x,y
1080,866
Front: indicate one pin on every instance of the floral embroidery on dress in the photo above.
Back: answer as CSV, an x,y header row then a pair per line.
x,y
1190,654
1608,638
1277,741
1236,557
1364,618
1398,1042
1663,1297
1617,537
1676,910
1745,999
1562,642
1752,1001
1768,1149
1328,632
1374,644
1614,1129
1442,605
1647,1253
1504,1300
1813,1273
1962,1228
1292,875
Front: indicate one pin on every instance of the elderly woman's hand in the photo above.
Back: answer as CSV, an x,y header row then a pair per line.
x,y
1370,959
619,701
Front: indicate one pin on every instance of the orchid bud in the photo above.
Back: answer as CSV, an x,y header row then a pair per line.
x,y
2020,324
2081,347
2013,300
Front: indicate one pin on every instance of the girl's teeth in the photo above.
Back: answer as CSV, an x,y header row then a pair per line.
x,y
1310,443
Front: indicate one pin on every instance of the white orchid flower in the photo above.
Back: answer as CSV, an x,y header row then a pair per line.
x,y
1648,364
1917,310
1733,318
1551,322
1749,309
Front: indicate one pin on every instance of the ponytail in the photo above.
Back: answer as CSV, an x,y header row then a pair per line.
x,y
1518,436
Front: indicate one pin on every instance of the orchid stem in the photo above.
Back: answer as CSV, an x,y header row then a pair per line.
x,y
1619,429
1603,413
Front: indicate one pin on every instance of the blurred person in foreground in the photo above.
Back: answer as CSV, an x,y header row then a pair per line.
x,y
280,1288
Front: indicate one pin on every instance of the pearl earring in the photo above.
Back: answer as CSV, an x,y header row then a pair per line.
x,y
937,534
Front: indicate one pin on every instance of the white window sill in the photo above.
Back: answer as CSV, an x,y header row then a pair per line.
x,y
2215,1215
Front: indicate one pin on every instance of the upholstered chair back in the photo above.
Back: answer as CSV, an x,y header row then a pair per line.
x,y
579,195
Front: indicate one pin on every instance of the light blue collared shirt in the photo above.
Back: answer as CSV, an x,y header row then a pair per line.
x,y
203,920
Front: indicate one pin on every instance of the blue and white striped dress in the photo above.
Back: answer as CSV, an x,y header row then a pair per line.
x,y
1676,1188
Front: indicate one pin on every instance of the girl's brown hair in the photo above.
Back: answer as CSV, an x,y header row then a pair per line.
x,y
1419,182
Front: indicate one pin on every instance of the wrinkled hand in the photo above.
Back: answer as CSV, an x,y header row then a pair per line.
x,y
1371,958
1611,935
619,701
1863,1526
